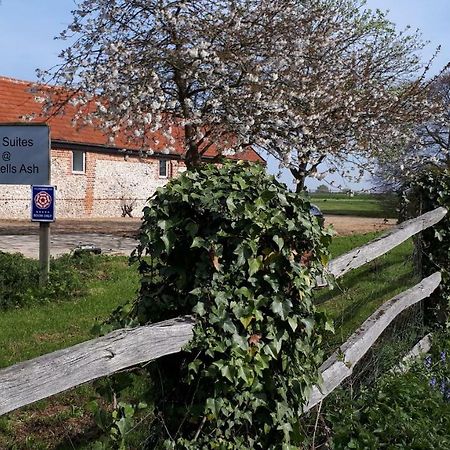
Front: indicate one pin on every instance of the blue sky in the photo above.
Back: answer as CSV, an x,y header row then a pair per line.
x,y
28,28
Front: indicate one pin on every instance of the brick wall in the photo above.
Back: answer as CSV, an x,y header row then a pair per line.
x,y
108,183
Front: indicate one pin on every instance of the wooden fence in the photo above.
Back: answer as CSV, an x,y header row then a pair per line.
x,y
36,379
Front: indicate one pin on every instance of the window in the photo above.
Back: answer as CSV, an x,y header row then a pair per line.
x,y
78,162
163,168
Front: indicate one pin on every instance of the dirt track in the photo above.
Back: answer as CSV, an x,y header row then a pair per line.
x,y
345,225
127,227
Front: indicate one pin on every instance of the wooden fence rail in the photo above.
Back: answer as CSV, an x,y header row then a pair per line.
x,y
33,380
340,365
373,249
56,372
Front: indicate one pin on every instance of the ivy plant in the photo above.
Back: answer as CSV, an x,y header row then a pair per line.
x,y
428,191
234,248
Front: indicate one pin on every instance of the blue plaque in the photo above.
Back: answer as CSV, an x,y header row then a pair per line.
x,y
43,203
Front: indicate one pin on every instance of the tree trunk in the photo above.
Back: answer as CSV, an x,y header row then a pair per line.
x,y
192,157
299,175
192,160
300,187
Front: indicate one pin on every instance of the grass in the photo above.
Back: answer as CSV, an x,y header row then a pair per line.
x,y
64,420
362,205
360,292
29,332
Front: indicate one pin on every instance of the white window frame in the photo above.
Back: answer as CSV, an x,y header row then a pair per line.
x,y
79,172
166,161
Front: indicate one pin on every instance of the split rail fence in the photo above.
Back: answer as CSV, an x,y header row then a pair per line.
x,y
42,377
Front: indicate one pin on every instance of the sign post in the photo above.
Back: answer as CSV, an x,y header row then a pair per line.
x,y
25,159
43,211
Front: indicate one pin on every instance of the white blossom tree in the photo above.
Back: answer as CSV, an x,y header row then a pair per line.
x,y
189,68
434,135
428,147
306,80
357,89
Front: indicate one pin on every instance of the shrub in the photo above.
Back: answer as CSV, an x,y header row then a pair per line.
x,y
19,279
233,247
429,191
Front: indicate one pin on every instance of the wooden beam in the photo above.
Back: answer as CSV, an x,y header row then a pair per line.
x,y
421,348
373,249
50,374
340,365
33,380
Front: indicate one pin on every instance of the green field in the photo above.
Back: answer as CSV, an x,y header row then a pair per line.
x,y
362,205
65,421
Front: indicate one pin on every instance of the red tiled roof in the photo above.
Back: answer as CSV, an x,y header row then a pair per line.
x,y
18,100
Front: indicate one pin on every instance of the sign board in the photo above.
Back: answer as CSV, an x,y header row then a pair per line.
x,y
43,203
24,154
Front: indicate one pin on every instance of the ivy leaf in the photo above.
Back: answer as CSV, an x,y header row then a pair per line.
x,y
245,292
254,264
230,204
279,241
283,199
199,309
329,326
122,424
242,183
228,326
211,405
260,203
166,241
240,341
324,259
246,321
281,307
293,322
309,325
268,195
165,224
198,242
192,228
194,365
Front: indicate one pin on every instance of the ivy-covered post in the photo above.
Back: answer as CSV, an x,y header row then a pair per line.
x,y
432,190
236,249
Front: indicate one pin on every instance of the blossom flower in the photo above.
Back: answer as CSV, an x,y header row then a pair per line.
x,y
315,94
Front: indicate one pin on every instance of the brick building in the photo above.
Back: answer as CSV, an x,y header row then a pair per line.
x,y
93,178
